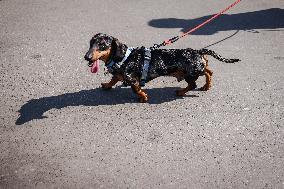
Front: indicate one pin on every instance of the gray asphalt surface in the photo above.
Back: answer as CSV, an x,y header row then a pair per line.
x,y
60,130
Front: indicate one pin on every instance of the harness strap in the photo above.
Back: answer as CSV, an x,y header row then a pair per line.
x,y
147,59
116,65
128,51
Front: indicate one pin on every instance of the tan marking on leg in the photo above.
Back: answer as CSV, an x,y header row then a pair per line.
x,y
178,74
208,73
207,85
112,82
143,97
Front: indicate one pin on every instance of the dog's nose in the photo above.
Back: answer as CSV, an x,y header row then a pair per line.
x,y
88,56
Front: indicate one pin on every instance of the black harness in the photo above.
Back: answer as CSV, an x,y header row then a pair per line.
x,y
112,66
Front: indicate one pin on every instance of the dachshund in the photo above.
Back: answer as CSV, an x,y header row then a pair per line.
x,y
134,66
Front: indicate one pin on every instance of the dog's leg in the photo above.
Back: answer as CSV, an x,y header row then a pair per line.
x,y
143,97
191,85
209,71
134,83
112,82
208,74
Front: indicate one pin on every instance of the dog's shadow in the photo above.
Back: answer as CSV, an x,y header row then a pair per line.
x,y
268,19
35,108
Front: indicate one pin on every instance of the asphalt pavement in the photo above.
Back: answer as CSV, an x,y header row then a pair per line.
x,y
59,129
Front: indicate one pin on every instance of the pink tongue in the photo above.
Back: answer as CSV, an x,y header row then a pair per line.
x,y
95,67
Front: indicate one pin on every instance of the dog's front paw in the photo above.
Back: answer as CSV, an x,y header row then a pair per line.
x,y
143,98
106,86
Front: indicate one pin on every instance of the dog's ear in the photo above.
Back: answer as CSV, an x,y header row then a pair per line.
x,y
118,50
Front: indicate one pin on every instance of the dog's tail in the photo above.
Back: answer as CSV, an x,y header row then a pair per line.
x,y
217,56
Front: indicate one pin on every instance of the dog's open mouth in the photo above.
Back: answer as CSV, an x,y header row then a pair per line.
x,y
94,66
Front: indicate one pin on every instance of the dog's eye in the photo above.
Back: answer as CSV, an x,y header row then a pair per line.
x,y
102,46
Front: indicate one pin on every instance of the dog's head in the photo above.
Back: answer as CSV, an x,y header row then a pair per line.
x,y
104,47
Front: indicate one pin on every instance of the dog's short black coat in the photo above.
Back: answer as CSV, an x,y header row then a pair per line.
x,y
185,64
165,62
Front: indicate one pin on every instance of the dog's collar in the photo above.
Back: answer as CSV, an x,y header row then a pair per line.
x,y
111,65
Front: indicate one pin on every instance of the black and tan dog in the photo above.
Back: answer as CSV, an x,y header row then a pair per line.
x,y
128,64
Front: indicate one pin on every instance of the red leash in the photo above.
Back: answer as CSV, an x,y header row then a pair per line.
x,y
174,39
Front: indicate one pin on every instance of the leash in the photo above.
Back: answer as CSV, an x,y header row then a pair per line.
x,y
174,39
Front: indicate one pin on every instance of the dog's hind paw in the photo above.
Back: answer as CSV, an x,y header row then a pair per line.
x,y
180,92
205,88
